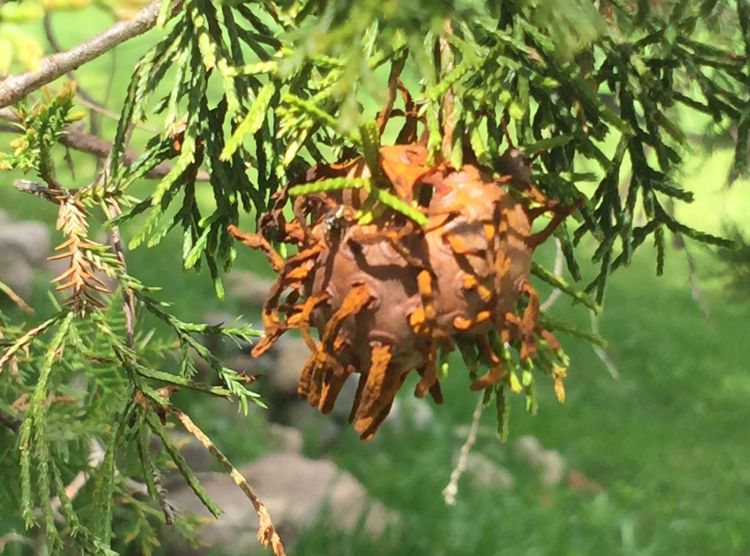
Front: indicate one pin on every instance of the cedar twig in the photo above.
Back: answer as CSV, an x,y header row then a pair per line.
x,y
267,535
24,340
16,87
41,190
77,139
15,298
601,353
128,308
80,278
447,108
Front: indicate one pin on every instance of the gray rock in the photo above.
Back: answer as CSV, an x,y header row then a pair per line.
x,y
16,270
487,473
528,448
31,238
409,410
550,463
288,439
345,399
291,355
23,246
552,468
247,287
296,490
320,431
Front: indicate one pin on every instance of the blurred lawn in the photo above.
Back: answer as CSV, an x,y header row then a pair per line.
x,y
668,442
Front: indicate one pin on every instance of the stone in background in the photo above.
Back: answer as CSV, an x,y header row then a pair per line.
x,y
297,491
24,246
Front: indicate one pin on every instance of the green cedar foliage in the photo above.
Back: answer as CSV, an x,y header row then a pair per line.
x,y
253,93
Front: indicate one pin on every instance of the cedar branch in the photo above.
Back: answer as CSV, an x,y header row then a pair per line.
x,y
267,535
16,87
79,140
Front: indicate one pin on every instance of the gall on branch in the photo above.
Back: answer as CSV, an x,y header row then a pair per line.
x,y
389,293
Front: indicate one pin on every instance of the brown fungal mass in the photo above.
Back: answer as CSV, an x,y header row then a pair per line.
x,y
387,297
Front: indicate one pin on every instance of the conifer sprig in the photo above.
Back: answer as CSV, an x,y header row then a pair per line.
x,y
254,95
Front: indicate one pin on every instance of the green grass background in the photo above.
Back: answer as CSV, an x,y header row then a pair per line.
x,y
668,441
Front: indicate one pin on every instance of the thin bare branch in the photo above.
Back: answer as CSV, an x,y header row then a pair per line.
x,y
111,79
81,93
7,114
451,490
8,538
16,87
128,299
96,457
77,139
100,109
601,353
556,293
695,287
41,190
